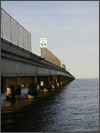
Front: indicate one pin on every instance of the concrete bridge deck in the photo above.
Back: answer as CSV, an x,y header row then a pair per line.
x,y
16,61
21,67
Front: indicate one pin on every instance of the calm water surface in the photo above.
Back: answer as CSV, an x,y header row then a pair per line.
x,y
75,107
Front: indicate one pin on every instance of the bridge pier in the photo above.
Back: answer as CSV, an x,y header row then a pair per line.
x,y
48,83
13,86
64,80
59,81
9,88
3,84
18,90
54,82
33,88
45,83
10,92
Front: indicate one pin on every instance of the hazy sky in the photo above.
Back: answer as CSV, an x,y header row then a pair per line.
x,y
72,29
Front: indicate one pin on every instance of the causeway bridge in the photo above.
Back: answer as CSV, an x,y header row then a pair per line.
x,y
20,68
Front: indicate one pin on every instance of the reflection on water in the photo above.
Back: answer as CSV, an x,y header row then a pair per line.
x,y
21,101
72,108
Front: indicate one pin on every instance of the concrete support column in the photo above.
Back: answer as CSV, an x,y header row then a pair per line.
x,y
18,90
41,85
45,83
54,82
33,88
10,92
48,83
58,81
3,84
10,88
65,80
61,83
22,86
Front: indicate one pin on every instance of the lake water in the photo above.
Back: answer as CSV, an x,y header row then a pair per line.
x,y
74,107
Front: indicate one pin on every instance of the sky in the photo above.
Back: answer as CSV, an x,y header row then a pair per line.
x,y
72,29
